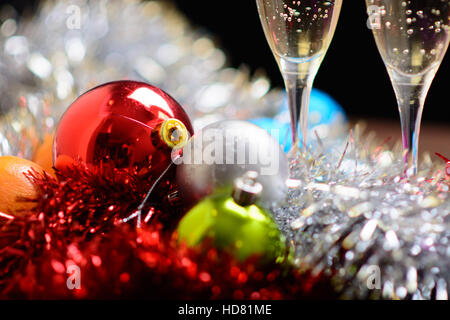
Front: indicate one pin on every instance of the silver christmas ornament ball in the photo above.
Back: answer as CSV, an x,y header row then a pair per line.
x,y
223,151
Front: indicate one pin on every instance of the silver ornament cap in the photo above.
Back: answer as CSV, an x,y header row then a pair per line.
x,y
246,189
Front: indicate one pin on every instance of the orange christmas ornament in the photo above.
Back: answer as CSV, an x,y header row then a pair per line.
x,y
43,154
15,187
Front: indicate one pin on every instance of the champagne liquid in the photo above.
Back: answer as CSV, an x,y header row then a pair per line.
x,y
412,36
299,31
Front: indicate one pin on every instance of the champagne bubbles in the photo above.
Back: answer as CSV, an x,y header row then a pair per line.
x,y
299,29
412,35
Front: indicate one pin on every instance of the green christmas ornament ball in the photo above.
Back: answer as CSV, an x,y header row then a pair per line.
x,y
234,224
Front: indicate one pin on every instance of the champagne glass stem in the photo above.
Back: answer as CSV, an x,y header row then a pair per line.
x,y
298,79
298,91
411,92
410,117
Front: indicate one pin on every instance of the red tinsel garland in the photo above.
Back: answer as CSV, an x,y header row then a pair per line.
x,y
78,222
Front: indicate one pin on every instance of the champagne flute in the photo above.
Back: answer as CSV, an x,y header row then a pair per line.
x,y
412,37
299,34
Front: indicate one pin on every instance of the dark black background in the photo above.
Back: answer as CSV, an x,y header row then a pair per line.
x,y
352,71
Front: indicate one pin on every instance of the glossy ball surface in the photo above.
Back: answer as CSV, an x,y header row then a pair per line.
x,y
242,231
127,123
224,151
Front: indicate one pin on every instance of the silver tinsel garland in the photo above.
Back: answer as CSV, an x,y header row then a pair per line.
x,y
350,213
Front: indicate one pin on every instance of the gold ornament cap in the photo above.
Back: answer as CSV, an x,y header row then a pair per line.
x,y
174,133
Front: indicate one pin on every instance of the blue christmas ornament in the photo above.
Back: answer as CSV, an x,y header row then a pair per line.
x,y
280,131
326,117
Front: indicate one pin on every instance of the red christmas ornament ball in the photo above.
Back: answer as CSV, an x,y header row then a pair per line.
x,y
127,124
